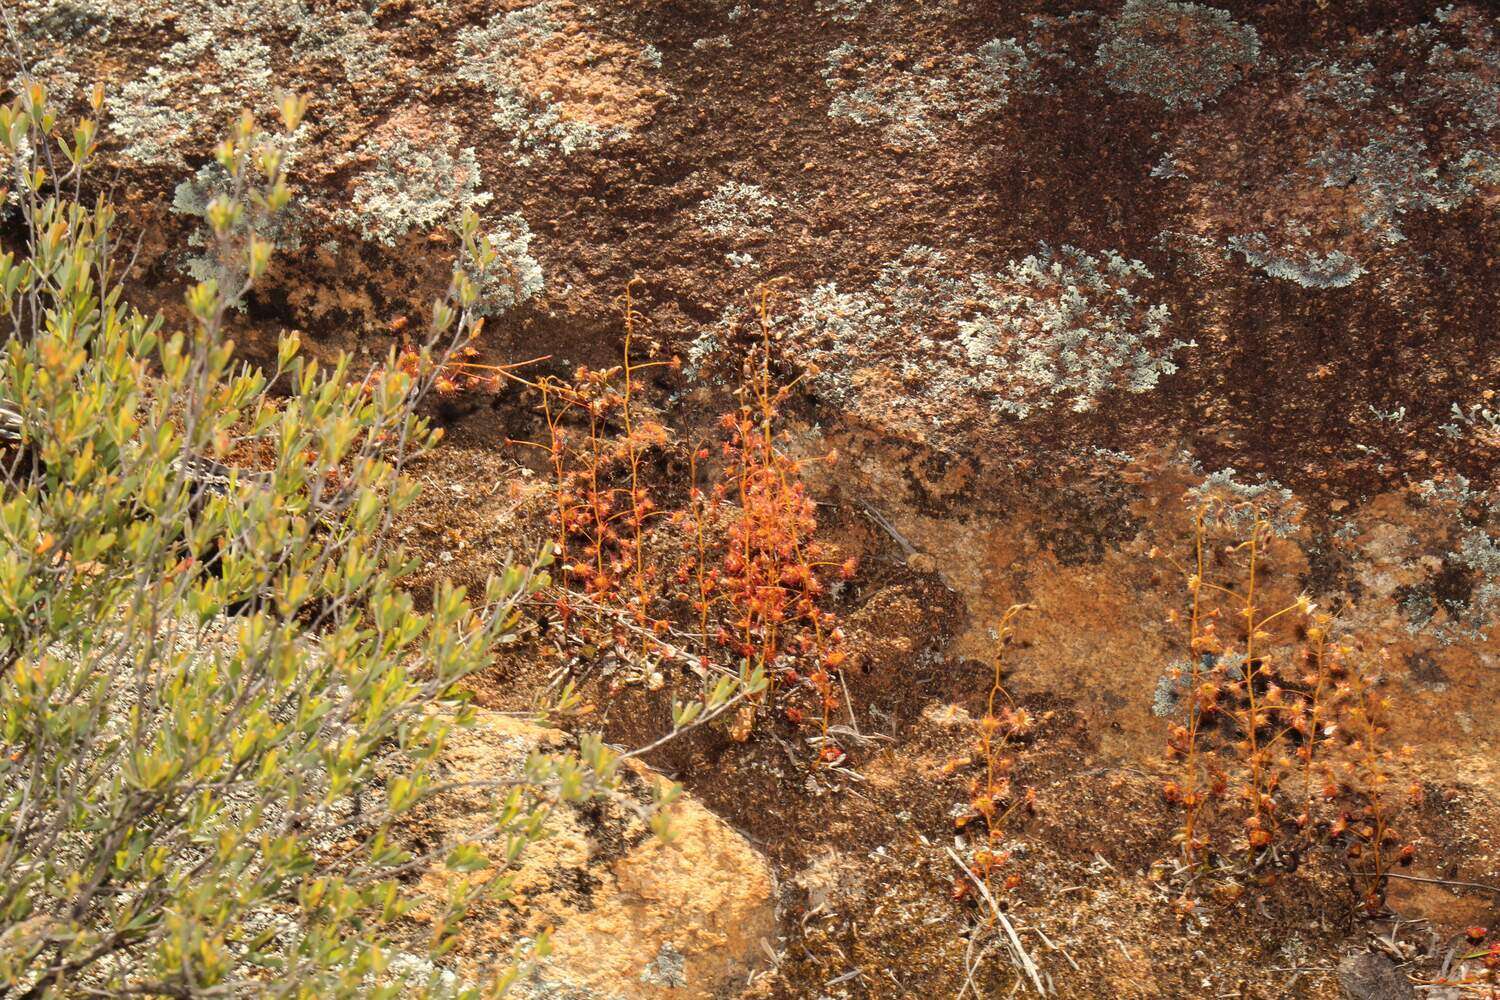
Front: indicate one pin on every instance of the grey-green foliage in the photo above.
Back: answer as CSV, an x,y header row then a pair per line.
x,y
216,702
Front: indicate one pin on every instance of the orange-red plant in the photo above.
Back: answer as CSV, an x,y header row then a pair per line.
x,y
736,568
757,568
1278,728
995,797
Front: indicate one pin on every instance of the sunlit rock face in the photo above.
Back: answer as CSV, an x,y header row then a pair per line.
x,y
1041,278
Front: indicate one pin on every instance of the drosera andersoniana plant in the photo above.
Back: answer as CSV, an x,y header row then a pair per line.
x,y
994,797
722,575
1277,742
774,570
993,794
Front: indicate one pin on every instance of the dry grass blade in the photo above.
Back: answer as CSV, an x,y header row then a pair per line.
x,y
1019,954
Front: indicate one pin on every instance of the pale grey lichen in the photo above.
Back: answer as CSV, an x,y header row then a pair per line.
x,y
50,34
668,969
1064,40
412,185
538,122
1182,54
1396,175
1478,419
152,131
1340,84
1474,515
1479,552
404,968
737,211
914,103
514,276
63,20
13,169
1374,130
1170,699
1308,268
229,55
705,348
842,10
1170,693
1380,93
1055,328
192,197
1167,169
1070,326
342,36
1235,504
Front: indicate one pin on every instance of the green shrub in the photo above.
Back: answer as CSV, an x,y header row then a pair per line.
x,y
216,703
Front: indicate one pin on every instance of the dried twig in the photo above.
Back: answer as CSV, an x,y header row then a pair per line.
x,y
1449,883
1048,942
1018,951
889,528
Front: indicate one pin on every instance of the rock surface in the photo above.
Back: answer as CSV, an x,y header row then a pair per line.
x,y
632,917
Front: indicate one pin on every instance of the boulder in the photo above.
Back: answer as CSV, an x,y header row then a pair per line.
x,y
632,917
